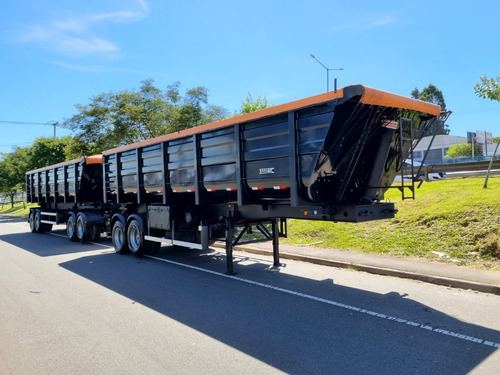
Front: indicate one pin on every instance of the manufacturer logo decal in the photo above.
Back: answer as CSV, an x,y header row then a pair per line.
x,y
266,170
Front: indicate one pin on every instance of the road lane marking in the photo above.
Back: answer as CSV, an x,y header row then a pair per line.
x,y
337,304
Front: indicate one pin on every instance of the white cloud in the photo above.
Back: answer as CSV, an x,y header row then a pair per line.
x,y
380,22
82,68
366,22
76,35
273,94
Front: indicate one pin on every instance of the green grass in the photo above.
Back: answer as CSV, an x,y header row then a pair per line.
x,y
18,209
455,217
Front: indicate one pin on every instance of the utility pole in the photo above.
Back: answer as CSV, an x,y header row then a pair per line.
x,y
328,74
490,165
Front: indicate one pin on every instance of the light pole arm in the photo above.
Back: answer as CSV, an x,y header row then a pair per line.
x,y
327,74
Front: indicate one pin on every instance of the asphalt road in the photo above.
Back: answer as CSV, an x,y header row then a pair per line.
x,y
72,308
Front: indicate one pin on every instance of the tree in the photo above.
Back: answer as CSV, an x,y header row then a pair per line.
x,y
252,105
116,119
43,152
46,151
12,171
432,94
489,88
463,150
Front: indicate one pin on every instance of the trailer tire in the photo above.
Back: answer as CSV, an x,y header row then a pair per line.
x,y
119,238
83,233
137,244
31,221
71,228
39,227
47,227
96,232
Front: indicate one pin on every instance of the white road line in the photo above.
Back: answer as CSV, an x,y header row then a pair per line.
x,y
338,304
59,235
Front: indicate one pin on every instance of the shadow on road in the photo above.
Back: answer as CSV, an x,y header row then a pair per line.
x,y
293,334
59,242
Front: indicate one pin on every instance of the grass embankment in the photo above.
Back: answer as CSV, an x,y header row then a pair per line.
x,y
18,209
453,220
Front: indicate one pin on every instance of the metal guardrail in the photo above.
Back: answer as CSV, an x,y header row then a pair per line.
x,y
462,167
450,168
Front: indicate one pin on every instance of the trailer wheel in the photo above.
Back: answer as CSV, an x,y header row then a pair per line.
x,y
39,227
82,232
137,244
31,221
135,238
119,238
71,229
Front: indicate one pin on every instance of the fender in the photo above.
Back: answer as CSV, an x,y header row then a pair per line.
x,y
91,218
141,220
71,214
119,217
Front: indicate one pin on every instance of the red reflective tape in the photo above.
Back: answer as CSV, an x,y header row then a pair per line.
x,y
390,124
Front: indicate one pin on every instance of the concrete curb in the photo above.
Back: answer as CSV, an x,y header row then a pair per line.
x,y
433,279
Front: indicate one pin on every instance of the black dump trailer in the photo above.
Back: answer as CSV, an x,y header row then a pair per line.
x,y
329,157
68,193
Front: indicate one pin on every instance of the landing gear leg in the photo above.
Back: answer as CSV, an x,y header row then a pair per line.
x,y
229,248
276,243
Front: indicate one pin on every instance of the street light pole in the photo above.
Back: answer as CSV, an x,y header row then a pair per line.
x,y
328,74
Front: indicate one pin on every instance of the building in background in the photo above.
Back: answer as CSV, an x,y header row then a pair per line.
x,y
441,144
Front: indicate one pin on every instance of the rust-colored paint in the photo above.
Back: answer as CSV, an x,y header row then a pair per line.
x,y
371,97
62,164
94,159
387,99
267,112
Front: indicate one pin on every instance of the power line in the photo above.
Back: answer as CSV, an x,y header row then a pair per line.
x,y
50,123
17,144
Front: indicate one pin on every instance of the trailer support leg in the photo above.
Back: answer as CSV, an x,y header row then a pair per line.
x,y
204,237
276,243
229,248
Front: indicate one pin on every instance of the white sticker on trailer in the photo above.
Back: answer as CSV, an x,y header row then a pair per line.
x,y
266,170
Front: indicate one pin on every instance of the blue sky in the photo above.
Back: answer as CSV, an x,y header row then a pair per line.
x,y
55,54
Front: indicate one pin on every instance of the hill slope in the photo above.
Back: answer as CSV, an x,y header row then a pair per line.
x,y
451,219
